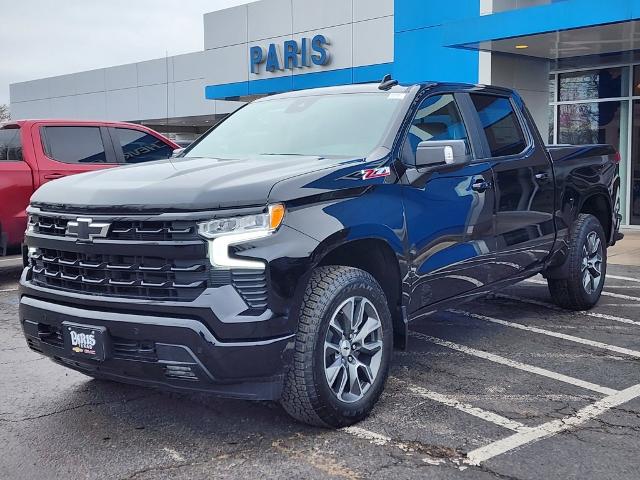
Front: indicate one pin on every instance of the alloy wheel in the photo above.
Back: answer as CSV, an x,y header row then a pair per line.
x,y
353,349
592,254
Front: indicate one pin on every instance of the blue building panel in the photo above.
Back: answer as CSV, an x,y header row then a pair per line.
x,y
415,14
556,16
421,53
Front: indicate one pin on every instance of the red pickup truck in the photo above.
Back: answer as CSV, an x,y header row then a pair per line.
x,y
33,152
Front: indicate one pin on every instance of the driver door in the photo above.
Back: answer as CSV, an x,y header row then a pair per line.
x,y
449,214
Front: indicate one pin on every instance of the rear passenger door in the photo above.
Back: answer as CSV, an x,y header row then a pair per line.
x,y
523,183
16,187
449,214
70,149
138,146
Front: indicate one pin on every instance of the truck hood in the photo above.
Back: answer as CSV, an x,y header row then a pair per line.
x,y
180,184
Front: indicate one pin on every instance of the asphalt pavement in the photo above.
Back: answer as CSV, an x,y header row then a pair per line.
x,y
507,387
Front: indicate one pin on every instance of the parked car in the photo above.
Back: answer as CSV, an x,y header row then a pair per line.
x,y
33,152
284,254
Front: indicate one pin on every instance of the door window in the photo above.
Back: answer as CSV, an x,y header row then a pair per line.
x,y
437,118
138,146
75,144
10,145
500,123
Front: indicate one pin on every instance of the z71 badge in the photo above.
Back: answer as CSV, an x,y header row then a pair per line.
x,y
371,173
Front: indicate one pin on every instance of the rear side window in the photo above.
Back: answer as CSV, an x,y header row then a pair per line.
x,y
500,123
437,118
10,145
75,144
138,146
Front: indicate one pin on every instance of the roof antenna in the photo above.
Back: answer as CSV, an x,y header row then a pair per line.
x,y
387,83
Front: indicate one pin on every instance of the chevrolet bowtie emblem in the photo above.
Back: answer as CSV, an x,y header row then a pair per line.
x,y
86,230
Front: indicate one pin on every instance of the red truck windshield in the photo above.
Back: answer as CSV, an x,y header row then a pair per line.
x,y
10,144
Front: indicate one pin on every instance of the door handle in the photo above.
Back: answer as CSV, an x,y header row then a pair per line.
x,y
542,177
53,176
481,185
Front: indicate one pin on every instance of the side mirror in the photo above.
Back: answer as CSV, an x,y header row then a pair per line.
x,y
177,152
442,154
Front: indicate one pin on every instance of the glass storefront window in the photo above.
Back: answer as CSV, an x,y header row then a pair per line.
x,y
591,84
551,125
590,123
634,207
636,80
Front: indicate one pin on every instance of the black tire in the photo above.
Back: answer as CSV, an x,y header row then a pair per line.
x,y
307,395
570,292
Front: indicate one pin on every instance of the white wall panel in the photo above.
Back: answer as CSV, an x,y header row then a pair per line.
x,y
152,101
90,81
373,41
313,15
35,89
367,9
269,18
34,109
62,85
189,99
122,105
18,92
122,76
225,27
91,106
226,65
153,72
188,66
64,107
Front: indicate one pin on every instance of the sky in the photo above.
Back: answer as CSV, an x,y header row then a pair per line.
x,y
44,38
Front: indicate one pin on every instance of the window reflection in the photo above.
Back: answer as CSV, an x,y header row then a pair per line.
x,y
589,123
635,166
591,84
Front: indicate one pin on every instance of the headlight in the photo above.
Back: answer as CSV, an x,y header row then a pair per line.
x,y
266,222
31,223
224,232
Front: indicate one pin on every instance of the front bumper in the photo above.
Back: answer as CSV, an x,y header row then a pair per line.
x,y
169,352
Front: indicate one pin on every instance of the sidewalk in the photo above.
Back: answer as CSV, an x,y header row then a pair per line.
x,y
627,250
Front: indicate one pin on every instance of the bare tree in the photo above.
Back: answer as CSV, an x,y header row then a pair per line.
x,y
5,114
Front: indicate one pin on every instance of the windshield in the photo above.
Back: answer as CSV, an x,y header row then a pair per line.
x,y
350,125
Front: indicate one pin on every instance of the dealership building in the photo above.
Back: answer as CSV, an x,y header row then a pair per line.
x,y
575,62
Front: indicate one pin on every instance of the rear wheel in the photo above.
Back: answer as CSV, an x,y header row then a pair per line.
x,y
586,268
342,349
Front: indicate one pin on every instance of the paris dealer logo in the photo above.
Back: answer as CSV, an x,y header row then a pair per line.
x,y
83,342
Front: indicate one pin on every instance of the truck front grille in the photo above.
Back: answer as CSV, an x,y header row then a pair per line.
x,y
120,275
134,258
137,230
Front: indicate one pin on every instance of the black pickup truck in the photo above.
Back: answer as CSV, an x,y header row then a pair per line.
x,y
284,254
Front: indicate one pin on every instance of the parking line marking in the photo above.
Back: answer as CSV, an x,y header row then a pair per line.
x,y
542,331
626,287
514,364
606,294
469,409
540,303
8,290
15,259
618,277
482,454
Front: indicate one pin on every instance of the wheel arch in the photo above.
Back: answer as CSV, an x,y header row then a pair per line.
x,y
599,205
379,257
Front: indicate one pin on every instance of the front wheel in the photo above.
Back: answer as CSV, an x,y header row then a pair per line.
x,y
586,268
343,349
